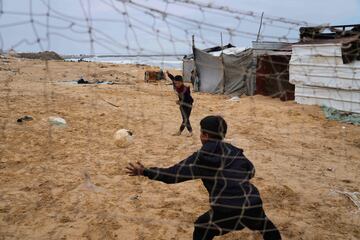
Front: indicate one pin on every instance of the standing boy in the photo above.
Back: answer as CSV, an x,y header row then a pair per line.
x,y
225,172
185,102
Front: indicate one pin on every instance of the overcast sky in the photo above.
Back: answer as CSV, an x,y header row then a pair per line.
x,y
154,26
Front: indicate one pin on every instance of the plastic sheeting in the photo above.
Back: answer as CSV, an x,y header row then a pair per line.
x,y
228,51
321,65
227,74
321,77
343,100
210,71
333,114
237,71
188,66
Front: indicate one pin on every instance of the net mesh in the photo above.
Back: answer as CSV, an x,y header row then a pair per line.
x,y
66,179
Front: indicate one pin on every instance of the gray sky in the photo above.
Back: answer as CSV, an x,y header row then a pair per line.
x,y
123,27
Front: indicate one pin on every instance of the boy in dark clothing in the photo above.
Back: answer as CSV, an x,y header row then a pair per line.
x,y
225,172
185,102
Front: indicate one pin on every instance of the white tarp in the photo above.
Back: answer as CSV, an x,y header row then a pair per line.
x,y
228,51
343,100
324,68
321,77
326,76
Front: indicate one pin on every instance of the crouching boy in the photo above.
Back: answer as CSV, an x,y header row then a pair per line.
x,y
235,203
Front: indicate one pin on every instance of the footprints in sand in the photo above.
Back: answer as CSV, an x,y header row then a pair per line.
x,y
281,197
103,226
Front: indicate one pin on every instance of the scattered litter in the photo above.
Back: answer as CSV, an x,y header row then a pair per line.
x,y
58,121
25,118
234,99
353,196
82,81
112,104
133,198
151,76
341,116
104,82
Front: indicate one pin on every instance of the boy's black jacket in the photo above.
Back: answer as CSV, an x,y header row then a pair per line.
x,y
224,171
184,94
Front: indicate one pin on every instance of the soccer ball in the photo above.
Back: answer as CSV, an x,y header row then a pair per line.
x,y
123,138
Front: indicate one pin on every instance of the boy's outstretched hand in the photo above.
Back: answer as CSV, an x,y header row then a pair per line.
x,y
169,75
135,169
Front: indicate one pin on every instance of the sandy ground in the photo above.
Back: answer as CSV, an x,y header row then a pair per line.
x,y
300,158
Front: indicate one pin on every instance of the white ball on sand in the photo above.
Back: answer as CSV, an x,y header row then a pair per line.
x,y
123,138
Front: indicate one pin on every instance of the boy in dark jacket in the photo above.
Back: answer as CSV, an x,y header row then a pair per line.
x,y
225,172
185,102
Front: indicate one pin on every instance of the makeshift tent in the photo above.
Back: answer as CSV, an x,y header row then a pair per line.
x,y
189,64
264,69
225,71
324,71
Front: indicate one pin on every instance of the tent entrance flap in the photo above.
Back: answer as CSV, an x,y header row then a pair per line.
x,y
210,71
238,70
227,73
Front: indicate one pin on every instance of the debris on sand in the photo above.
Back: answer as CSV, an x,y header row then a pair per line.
x,y
353,196
57,121
25,119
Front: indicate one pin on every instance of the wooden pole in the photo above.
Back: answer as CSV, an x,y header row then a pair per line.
x,y
222,62
193,41
261,20
197,79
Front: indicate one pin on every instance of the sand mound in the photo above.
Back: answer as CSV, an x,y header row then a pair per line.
x,y
47,55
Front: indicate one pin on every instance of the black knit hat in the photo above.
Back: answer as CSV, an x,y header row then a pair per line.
x,y
215,126
178,78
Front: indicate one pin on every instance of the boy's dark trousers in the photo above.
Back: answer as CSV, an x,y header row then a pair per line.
x,y
216,222
185,114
